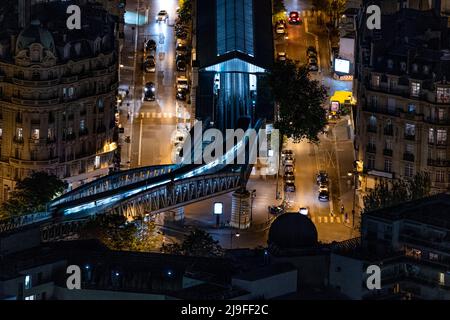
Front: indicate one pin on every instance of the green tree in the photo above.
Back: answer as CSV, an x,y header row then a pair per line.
x,y
386,194
300,99
118,234
197,243
185,12
33,193
278,10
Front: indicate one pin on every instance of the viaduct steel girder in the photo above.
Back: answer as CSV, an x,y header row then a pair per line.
x,y
114,181
155,200
177,194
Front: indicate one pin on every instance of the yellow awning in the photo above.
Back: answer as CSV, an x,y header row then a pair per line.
x,y
343,97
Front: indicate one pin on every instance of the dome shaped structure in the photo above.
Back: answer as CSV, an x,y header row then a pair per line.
x,y
292,231
35,34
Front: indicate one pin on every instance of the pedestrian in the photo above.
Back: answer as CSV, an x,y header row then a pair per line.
x,y
342,209
128,115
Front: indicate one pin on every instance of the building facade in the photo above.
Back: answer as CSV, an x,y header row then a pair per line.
x,y
57,95
409,243
403,95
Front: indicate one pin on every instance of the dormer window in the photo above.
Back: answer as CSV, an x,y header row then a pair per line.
x,y
415,89
403,66
390,64
376,81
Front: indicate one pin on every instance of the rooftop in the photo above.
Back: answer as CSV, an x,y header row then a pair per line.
x,y
433,210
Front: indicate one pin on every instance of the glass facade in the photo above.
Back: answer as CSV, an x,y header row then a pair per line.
x,y
234,26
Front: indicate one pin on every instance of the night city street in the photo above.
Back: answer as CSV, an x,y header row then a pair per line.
x,y
224,150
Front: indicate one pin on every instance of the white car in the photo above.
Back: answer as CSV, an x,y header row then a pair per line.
x,y
182,83
304,211
281,56
162,16
280,29
288,169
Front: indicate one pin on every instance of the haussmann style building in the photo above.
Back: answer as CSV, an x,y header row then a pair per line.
x,y
57,93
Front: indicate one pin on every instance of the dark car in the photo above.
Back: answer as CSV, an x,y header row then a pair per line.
x,y
275,209
150,45
289,186
324,195
149,91
181,94
289,177
322,178
150,64
181,65
311,52
294,17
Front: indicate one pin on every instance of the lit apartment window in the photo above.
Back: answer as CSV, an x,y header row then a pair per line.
x,y
68,92
415,89
410,129
440,176
442,278
443,94
28,282
391,105
387,165
411,108
409,148
19,133
97,162
51,133
1,132
441,114
441,136
409,170
32,297
82,125
388,144
376,81
431,135
35,134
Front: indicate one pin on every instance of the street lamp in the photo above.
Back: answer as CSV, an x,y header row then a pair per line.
x,y
237,235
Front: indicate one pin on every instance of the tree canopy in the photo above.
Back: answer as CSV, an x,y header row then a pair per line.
x,y
118,234
33,193
386,194
299,99
197,243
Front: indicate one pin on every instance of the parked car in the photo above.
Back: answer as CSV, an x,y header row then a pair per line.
x,y
304,211
312,64
181,65
289,186
281,56
275,209
280,29
162,16
285,153
181,94
288,160
324,196
289,177
150,64
288,169
182,83
311,52
323,187
150,45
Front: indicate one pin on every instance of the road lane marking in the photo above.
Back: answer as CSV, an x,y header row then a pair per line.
x,y
140,143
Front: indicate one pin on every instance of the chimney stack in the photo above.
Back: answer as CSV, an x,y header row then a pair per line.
x,y
24,13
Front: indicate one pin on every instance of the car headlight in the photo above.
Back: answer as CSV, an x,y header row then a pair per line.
x,y
153,89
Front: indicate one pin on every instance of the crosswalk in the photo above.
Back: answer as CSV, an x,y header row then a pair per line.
x,y
327,220
162,115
